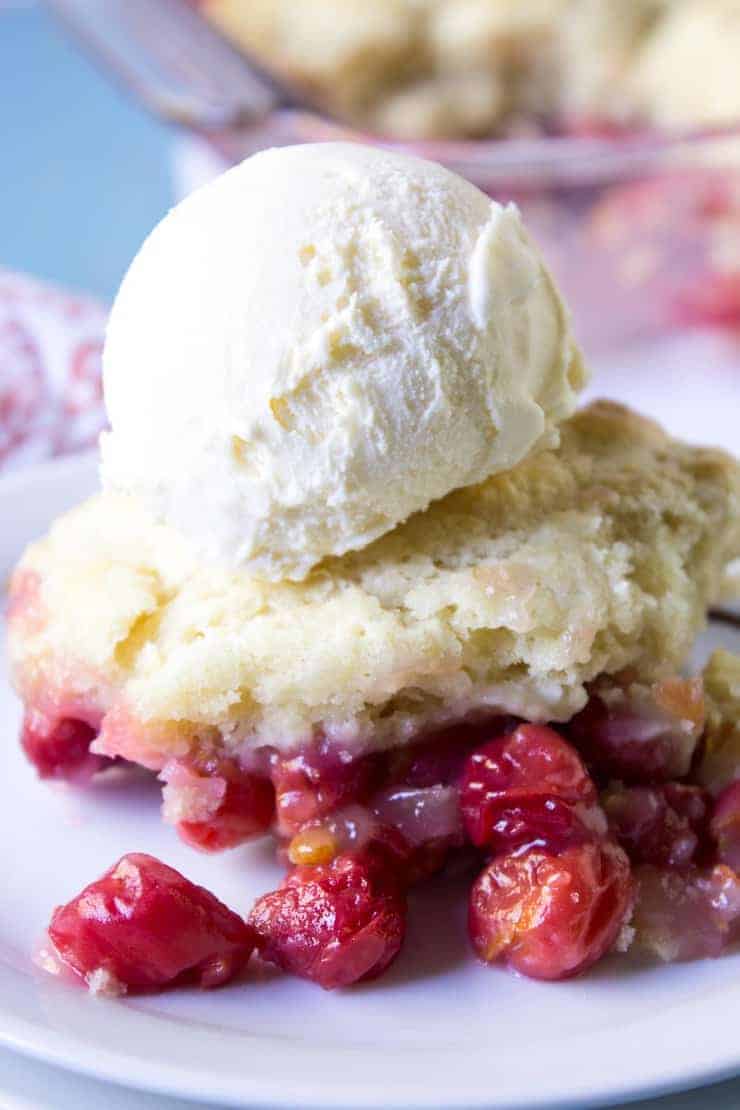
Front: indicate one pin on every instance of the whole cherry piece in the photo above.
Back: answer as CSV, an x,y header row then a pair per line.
x,y
336,924
143,926
550,916
528,786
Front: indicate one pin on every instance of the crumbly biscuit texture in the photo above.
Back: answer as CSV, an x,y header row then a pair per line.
x,y
446,68
721,757
508,596
697,36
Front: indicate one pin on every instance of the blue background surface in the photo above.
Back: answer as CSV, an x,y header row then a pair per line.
x,y
84,172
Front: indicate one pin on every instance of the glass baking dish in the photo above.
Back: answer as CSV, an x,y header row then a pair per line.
x,y
642,229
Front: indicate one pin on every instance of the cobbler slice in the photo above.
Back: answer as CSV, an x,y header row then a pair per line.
x,y
500,675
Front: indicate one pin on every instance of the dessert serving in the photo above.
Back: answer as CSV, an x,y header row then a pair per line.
x,y
360,576
473,68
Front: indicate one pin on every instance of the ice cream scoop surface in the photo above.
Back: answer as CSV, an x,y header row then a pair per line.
x,y
320,343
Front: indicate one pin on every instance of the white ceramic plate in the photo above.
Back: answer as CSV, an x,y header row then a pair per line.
x,y
438,1030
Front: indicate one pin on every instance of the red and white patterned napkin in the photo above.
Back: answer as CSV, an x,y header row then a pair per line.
x,y
51,342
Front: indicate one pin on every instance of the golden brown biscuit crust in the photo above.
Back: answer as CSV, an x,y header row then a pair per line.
x,y
509,596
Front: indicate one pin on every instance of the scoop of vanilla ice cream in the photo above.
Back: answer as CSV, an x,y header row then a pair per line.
x,y
321,342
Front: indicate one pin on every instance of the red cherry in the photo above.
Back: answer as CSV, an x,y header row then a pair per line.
x,y
547,916
526,787
313,784
440,759
335,924
143,925
59,748
245,812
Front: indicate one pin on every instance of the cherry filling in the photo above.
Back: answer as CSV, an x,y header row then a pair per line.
x,y
336,924
556,891
220,810
640,738
725,826
526,787
313,784
664,825
686,914
550,916
59,747
246,811
416,830
143,926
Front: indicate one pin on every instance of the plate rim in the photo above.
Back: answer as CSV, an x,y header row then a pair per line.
x,y
246,1094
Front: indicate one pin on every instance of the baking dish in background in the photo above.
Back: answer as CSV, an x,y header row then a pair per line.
x,y
641,229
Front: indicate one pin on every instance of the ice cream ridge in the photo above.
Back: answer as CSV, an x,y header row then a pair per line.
x,y
322,342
